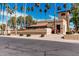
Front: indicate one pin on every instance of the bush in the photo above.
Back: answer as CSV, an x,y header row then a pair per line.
x,y
42,35
78,32
28,35
8,34
21,34
68,32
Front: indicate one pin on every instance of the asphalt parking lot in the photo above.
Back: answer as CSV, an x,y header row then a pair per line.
x,y
28,47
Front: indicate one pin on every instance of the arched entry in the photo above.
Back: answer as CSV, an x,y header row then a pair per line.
x,y
58,28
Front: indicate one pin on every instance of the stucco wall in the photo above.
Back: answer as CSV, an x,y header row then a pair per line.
x,y
64,26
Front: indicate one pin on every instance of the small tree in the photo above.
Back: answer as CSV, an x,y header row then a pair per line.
x,y
75,17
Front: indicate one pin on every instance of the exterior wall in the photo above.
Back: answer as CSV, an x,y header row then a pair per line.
x,y
62,22
64,26
49,30
42,22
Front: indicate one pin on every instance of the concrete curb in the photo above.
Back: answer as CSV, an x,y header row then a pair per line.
x,y
44,38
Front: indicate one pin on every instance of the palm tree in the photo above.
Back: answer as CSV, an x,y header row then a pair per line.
x,y
11,20
0,13
0,9
22,9
7,9
15,8
28,9
54,18
59,8
40,10
45,11
65,6
4,5
20,20
12,23
37,4
75,18
24,15
48,6
32,8
29,21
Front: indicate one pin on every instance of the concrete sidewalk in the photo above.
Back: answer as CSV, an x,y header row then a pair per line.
x,y
52,37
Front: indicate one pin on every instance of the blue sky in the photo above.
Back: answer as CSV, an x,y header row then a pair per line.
x,y
36,14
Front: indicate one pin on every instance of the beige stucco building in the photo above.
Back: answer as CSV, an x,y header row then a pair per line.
x,y
60,24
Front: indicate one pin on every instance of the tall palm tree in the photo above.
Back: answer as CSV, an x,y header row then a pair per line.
x,y
4,5
32,8
22,9
28,9
7,9
9,22
37,4
0,13
0,9
59,8
40,10
45,11
54,18
48,6
15,9
24,15
29,20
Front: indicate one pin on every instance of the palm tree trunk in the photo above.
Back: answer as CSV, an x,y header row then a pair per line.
x,y
24,16
16,21
7,23
2,22
21,19
54,18
76,28
0,16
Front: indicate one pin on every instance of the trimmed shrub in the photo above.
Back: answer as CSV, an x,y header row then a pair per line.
x,y
42,35
28,35
68,32
21,34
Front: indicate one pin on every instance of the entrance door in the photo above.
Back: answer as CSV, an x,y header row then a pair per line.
x,y
58,28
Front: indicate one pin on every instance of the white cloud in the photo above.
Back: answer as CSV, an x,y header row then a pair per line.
x,y
52,17
17,13
37,19
5,13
